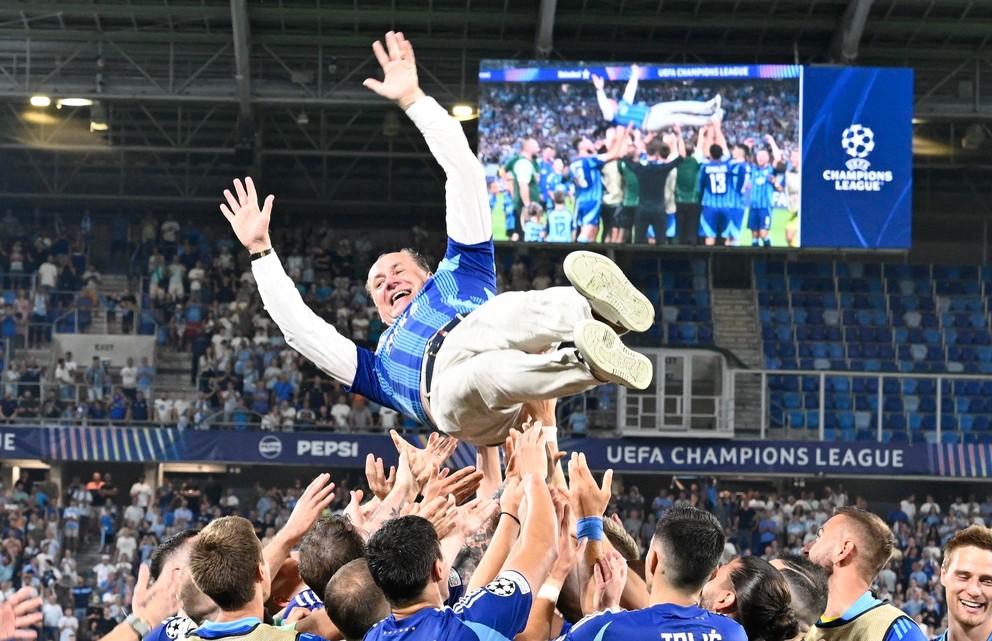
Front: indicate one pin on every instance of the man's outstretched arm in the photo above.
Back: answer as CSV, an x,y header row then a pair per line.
x,y
305,332
468,219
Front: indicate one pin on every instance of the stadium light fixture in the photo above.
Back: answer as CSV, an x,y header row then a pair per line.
x,y
40,101
464,111
74,102
98,117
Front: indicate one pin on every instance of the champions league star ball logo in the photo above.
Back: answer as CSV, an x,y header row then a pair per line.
x,y
858,141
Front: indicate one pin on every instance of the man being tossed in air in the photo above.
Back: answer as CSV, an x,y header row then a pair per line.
x,y
456,356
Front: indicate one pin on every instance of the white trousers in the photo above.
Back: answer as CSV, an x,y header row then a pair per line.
x,y
503,355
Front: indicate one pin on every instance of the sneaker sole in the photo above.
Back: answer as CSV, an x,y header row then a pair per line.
x,y
608,358
611,295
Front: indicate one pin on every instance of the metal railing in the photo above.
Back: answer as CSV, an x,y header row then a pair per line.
x,y
867,403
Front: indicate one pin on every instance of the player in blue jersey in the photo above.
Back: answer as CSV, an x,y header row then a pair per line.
x,y
684,552
852,547
966,574
561,222
721,184
549,176
405,561
169,558
751,591
764,184
534,228
587,178
662,115
456,356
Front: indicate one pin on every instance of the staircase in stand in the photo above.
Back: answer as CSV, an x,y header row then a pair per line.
x,y
736,328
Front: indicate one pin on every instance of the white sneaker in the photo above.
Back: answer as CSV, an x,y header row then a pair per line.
x,y
608,358
612,297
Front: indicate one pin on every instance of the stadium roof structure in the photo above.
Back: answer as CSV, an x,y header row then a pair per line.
x,y
197,91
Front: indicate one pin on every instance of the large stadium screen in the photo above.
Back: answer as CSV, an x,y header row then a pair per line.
x,y
808,156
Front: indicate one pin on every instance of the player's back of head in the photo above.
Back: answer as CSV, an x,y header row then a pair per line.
x,y
658,147
873,539
331,543
689,542
224,561
807,583
763,601
169,549
716,152
401,557
353,601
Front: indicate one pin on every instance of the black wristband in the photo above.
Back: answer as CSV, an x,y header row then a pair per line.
x,y
257,255
502,514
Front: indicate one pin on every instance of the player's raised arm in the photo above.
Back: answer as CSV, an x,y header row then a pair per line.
x,y
606,105
304,331
776,153
469,220
630,91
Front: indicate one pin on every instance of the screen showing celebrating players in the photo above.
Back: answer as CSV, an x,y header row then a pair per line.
x,y
726,155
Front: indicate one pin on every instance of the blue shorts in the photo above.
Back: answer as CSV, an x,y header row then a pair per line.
x,y
759,219
721,221
670,226
587,213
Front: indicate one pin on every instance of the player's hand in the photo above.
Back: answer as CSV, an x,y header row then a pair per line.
x,y
309,507
597,82
399,68
588,498
570,548
250,224
474,515
18,613
531,452
422,461
155,603
461,484
770,140
610,575
375,473
635,71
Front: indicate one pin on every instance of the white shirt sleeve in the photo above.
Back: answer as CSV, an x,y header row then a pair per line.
x,y
304,331
468,218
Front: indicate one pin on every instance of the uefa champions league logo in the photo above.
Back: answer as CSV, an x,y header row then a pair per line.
x,y
858,141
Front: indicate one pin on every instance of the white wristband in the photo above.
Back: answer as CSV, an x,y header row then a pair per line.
x,y
549,592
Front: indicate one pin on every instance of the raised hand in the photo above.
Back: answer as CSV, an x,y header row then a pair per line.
x,y
250,224
597,82
471,517
18,613
461,484
531,453
588,498
312,502
399,68
375,473
422,461
611,576
154,603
